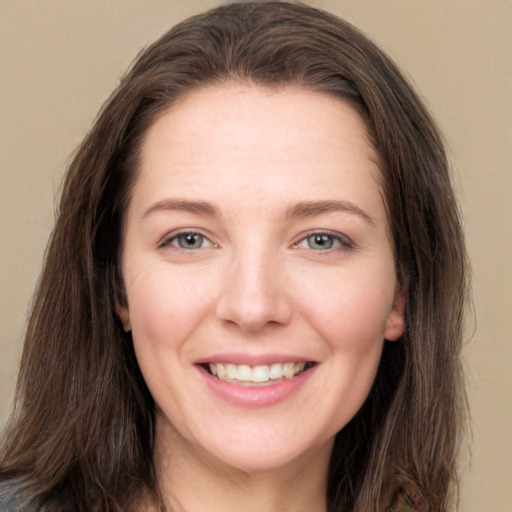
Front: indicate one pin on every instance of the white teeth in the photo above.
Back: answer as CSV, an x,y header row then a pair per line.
x,y
276,371
221,371
244,373
288,370
260,373
255,374
231,371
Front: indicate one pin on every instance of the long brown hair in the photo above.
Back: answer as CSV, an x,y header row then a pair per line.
x,y
81,434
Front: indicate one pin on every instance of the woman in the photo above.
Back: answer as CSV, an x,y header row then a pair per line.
x,y
253,295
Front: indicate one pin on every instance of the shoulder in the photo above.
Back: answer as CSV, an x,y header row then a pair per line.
x,y
7,506
404,502
7,503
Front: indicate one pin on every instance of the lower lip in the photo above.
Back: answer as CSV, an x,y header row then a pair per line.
x,y
253,397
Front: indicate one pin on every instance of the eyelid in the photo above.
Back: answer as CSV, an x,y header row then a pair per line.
x,y
345,241
167,239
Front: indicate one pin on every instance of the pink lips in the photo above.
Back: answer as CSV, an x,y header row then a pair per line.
x,y
254,396
253,359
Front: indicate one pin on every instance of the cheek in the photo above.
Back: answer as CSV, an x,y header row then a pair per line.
x,y
164,305
351,312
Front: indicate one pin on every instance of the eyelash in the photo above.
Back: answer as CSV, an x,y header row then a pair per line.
x,y
339,242
174,236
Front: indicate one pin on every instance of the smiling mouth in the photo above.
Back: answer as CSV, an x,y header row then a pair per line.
x,y
255,375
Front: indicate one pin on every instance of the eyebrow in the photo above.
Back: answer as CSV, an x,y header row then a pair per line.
x,y
199,207
301,209
312,208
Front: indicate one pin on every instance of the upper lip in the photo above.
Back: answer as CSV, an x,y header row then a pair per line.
x,y
253,359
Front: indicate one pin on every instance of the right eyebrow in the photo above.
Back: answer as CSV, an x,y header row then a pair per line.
x,y
186,205
312,208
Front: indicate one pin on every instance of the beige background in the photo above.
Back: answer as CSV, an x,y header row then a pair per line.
x,y
61,58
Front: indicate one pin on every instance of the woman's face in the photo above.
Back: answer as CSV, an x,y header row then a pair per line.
x,y
259,276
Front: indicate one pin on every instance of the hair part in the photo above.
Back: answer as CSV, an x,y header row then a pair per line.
x,y
81,433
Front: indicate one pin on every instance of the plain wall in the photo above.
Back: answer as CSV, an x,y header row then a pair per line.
x,y
59,60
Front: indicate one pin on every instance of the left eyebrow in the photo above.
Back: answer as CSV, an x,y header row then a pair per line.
x,y
177,204
311,208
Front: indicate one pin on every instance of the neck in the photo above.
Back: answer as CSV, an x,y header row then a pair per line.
x,y
194,481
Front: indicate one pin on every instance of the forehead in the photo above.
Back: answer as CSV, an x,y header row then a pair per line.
x,y
242,140
303,111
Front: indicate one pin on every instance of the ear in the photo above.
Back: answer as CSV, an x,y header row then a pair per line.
x,y
395,323
123,314
121,302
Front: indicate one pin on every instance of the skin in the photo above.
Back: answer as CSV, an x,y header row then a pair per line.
x,y
269,165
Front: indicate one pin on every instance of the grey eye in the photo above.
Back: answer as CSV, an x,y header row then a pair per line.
x,y
189,240
320,242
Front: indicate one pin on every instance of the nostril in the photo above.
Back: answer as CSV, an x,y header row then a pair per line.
x,y
253,294
253,309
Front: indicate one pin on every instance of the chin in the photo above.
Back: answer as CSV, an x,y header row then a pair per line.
x,y
270,456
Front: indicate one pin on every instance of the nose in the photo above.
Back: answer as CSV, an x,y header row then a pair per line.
x,y
255,294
